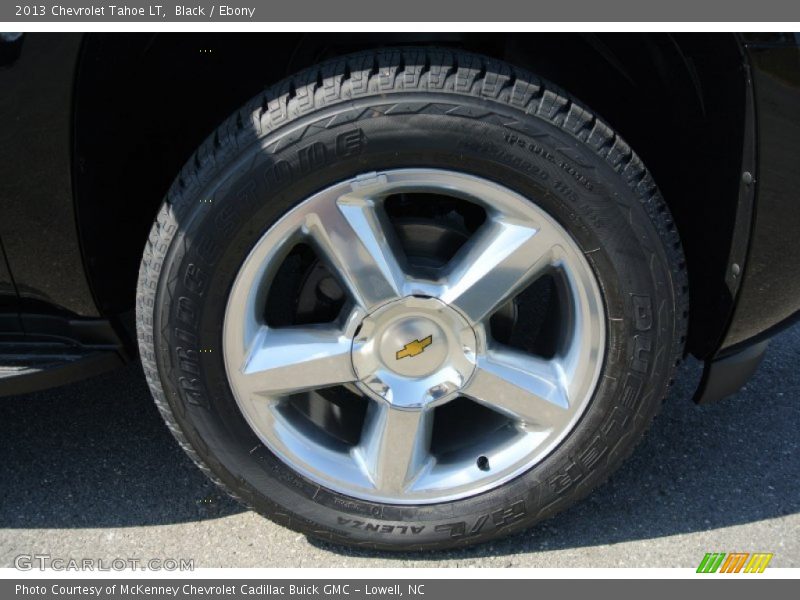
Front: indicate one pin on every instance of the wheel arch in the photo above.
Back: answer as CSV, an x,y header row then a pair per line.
x,y
144,103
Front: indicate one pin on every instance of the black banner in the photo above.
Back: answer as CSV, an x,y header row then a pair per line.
x,y
384,589
266,11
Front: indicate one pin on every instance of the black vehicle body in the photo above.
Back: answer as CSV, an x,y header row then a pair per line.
x,y
87,153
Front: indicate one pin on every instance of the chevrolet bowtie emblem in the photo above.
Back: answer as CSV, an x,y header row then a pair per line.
x,y
415,347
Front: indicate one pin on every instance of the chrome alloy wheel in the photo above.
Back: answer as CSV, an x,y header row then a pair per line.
x,y
413,340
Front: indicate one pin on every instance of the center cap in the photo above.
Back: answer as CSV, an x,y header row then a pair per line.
x,y
413,352
413,347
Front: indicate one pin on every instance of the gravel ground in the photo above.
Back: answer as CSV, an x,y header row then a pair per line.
x,y
89,470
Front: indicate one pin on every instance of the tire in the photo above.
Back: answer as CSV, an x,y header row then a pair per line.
x,y
400,109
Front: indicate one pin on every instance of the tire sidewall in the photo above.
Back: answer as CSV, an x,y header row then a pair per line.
x,y
219,224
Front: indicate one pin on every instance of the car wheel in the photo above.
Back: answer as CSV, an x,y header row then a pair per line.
x,y
411,298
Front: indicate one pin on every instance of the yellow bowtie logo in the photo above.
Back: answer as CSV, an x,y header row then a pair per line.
x,y
415,347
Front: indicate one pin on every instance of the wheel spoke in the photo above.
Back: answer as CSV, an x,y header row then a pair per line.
x,y
395,446
502,259
527,389
357,242
295,359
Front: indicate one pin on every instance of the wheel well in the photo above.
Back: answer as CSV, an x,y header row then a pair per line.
x,y
144,102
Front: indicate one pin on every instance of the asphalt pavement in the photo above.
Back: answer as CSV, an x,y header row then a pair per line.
x,y
89,470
